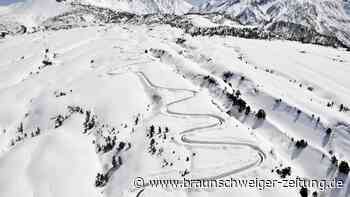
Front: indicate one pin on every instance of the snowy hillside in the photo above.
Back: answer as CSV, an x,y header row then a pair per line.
x,y
347,6
141,6
96,102
79,106
31,12
325,16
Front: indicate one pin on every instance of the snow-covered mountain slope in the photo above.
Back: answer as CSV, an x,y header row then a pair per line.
x,y
84,111
325,16
309,21
347,6
141,6
249,12
31,12
194,24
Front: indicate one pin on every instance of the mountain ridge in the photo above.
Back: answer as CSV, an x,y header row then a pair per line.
x,y
325,16
286,18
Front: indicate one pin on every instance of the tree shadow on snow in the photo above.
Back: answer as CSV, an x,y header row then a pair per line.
x,y
345,189
239,84
244,119
296,117
258,123
296,153
325,140
331,170
275,106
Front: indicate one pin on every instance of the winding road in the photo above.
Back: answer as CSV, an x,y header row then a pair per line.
x,y
189,141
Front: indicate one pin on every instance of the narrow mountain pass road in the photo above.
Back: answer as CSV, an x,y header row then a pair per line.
x,y
187,137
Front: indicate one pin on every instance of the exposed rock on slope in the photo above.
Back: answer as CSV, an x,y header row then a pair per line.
x,y
323,16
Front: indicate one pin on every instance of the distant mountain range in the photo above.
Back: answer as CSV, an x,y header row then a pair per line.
x,y
287,17
325,16
141,6
347,6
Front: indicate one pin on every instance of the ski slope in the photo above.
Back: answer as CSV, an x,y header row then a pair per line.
x,y
129,78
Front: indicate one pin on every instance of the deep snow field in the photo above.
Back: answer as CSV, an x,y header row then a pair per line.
x,y
66,95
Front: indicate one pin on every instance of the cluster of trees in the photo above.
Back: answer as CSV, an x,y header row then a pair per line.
x,y
334,160
151,135
46,62
36,132
278,101
151,131
21,134
59,121
301,144
344,167
156,135
271,71
137,119
90,121
152,148
210,80
261,114
180,41
237,101
3,34
284,172
75,109
227,75
117,162
108,146
185,172
158,53
298,32
343,108
101,180
290,31
304,192
250,33
310,88
330,104
61,93
161,133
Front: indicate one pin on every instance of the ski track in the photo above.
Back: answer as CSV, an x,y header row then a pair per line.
x,y
189,141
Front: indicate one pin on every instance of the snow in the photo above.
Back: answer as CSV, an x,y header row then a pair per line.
x,y
142,7
325,16
122,73
50,165
31,12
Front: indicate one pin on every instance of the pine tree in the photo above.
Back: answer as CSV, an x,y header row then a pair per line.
x,y
238,93
151,131
344,167
303,192
261,114
247,110
20,128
